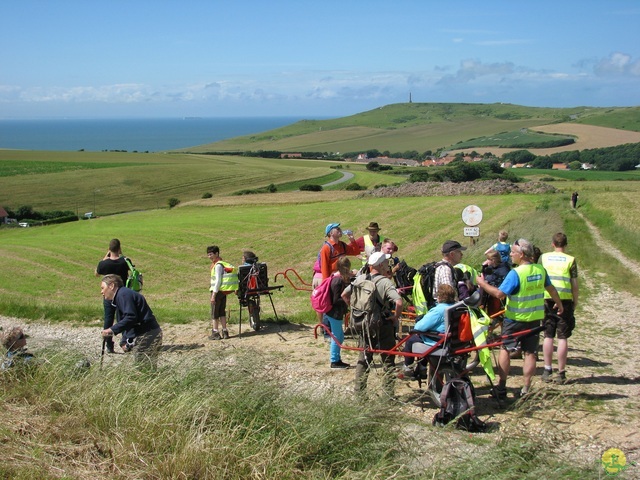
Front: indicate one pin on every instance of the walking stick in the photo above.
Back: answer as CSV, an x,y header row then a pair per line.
x,y
104,345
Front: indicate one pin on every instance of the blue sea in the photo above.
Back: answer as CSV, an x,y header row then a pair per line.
x,y
141,135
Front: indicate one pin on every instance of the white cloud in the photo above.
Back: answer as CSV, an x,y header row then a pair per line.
x,y
620,64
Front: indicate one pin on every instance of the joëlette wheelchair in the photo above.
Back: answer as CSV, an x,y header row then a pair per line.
x,y
253,282
451,356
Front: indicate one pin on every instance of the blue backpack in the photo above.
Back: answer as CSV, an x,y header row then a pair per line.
x,y
504,249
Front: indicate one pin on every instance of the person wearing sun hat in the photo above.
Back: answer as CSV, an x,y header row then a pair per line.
x,y
334,248
370,242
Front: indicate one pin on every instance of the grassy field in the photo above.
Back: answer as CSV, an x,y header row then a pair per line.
x,y
215,417
48,271
419,126
514,139
110,182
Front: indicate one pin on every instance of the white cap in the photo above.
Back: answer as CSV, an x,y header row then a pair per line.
x,y
377,258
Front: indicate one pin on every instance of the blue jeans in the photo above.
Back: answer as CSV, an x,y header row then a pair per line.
x,y
338,332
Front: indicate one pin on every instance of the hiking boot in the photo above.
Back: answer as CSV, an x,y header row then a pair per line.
x,y
516,354
499,393
110,349
408,371
524,393
561,378
340,364
225,333
215,335
546,375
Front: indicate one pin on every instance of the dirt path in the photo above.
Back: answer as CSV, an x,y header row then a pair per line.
x,y
606,246
598,409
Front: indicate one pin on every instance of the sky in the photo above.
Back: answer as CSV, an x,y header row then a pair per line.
x,y
311,58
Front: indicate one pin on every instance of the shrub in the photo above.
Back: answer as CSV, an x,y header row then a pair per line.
x,y
173,202
311,188
207,195
355,186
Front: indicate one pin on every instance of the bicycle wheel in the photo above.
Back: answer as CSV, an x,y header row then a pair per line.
x,y
254,314
438,378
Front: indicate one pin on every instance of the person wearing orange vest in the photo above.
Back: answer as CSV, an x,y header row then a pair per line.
x,y
563,272
524,288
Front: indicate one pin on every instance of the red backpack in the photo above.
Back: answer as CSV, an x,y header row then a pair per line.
x,y
321,300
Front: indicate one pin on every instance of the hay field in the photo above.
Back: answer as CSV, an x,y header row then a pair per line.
x,y
587,137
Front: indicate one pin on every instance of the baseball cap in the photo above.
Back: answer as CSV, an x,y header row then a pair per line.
x,y
377,258
330,227
451,245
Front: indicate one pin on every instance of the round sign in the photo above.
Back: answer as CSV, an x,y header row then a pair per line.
x,y
472,215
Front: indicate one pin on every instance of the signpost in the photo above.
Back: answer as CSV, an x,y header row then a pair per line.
x,y
472,216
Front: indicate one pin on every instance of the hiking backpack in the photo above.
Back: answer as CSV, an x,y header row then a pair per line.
x,y
363,304
134,281
457,402
321,300
427,274
404,276
316,266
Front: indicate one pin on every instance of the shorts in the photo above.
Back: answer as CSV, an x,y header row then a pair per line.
x,y
560,325
529,344
218,308
317,280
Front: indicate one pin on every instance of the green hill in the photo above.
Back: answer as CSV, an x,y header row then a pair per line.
x,y
419,126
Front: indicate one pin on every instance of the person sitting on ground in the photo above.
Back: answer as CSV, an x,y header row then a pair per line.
x,y
14,342
335,316
433,321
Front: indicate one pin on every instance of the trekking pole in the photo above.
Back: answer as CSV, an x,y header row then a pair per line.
x,y
104,345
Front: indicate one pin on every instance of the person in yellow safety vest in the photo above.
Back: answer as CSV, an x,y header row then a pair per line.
x,y
370,243
224,280
563,272
524,288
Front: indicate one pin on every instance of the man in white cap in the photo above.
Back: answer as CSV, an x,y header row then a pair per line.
x,y
385,319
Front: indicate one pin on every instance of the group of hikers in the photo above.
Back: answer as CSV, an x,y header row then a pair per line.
x,y
531,289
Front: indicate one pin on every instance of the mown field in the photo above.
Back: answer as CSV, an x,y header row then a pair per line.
x,y
112,182
47,271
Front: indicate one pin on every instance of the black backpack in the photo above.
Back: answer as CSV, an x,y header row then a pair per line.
x,y
428,279
404,276
457,401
